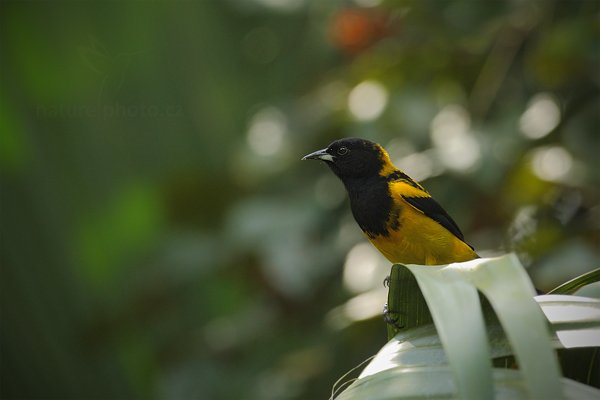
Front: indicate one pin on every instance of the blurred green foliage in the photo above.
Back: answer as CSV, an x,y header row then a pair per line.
x,y
161,239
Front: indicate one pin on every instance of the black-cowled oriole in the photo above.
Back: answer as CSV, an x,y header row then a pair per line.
x,y
396,213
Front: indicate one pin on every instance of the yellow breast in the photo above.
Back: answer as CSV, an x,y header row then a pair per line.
x,y
420,240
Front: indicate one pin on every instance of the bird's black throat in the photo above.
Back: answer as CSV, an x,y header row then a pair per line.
x,y
372,205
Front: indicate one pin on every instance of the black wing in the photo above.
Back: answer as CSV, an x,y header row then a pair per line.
x,y
433,210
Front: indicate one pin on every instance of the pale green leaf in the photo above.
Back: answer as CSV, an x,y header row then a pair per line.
x,y
577,283
453,359
437,382
454,306
575,320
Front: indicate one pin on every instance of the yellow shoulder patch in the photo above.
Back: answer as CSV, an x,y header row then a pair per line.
x,y
400,188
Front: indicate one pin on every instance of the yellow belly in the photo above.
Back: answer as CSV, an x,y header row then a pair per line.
x,y
421,240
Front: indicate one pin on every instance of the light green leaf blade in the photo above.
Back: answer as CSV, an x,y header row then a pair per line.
x,y
422,346
577,283
451,296
437,382
575,320
509,290
420,350
454,306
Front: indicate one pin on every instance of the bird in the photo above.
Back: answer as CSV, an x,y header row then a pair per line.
x,y
397,215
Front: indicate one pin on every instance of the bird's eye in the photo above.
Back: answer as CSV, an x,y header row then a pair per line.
x,y
342,151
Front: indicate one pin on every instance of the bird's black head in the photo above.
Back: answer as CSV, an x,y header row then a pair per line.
x,y
353,158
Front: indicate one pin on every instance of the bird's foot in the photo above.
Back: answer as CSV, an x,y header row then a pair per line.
x,y
391,317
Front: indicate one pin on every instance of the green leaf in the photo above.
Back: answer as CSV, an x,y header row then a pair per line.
x,y
406,303
570,317
436,382
450,292
454,306
506,285
454,357
414,364
575,284
575,320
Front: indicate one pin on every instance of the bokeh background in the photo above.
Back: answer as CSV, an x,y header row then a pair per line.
x,y
161,238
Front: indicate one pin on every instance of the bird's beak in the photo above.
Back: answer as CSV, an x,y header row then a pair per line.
x,y
319,155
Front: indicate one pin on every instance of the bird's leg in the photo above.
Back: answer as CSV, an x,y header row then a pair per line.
x,y
391,317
